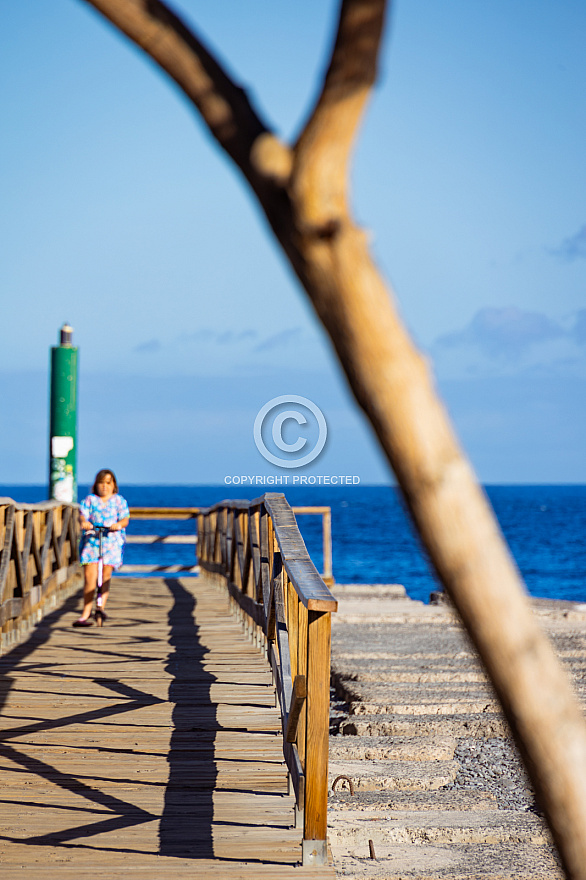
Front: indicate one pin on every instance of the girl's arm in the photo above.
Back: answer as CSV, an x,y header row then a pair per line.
x,y
123,511
84,522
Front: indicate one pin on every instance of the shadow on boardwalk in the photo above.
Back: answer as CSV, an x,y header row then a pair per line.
x,y
188,803
186,823
152,745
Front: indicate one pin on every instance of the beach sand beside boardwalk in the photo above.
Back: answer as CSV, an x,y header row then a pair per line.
x,y
439,790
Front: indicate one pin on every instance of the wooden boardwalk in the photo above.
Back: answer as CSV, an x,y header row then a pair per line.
x,y
147,748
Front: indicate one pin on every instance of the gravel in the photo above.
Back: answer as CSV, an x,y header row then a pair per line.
x,y
489,765
493,765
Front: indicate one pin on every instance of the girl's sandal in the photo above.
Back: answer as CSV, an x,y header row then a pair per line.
x,y
101,617
83,621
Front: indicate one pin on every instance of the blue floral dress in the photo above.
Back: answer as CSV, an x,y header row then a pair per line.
x,y
103,513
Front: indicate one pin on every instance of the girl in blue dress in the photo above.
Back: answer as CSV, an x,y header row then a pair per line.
x,y
104,507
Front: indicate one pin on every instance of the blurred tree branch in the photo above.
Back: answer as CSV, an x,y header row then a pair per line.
x,y
303,191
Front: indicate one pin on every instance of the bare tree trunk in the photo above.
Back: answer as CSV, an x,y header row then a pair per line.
x,y
303,192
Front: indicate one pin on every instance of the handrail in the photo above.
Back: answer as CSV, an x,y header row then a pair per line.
x,y
164,512
255,551
38,563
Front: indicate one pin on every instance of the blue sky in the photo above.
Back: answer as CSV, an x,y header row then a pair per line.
x,y
119,215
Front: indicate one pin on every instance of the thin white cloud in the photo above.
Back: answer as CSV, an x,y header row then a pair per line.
x,y
284,337
225,337
503,333
512,342
258,342
151,346
579,329
229,337
573,247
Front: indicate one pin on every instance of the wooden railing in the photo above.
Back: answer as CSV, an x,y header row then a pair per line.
x,y
183,513
38,563
255,551
161,513
327,574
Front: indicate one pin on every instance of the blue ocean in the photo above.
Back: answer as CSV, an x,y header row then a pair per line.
x,y
373,540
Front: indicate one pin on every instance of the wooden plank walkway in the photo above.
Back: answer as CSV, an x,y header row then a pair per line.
x,y
150,747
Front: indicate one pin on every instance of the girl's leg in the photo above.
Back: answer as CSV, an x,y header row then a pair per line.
x,y
107,575
90,579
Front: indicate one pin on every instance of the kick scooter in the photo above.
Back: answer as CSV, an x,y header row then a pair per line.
x,y
100,613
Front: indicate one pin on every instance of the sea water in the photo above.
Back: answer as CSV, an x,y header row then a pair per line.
x,y
373,539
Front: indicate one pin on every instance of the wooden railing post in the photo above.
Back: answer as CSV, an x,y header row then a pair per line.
x,y
201,544
328,575
302,670
316,756
265,566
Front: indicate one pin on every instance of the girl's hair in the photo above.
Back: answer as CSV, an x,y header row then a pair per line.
x,y
106,472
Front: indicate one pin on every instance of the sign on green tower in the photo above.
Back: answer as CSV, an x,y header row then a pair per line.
x,y
63,419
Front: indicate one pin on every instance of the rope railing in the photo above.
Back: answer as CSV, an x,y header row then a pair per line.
x,y
255,551
38,563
